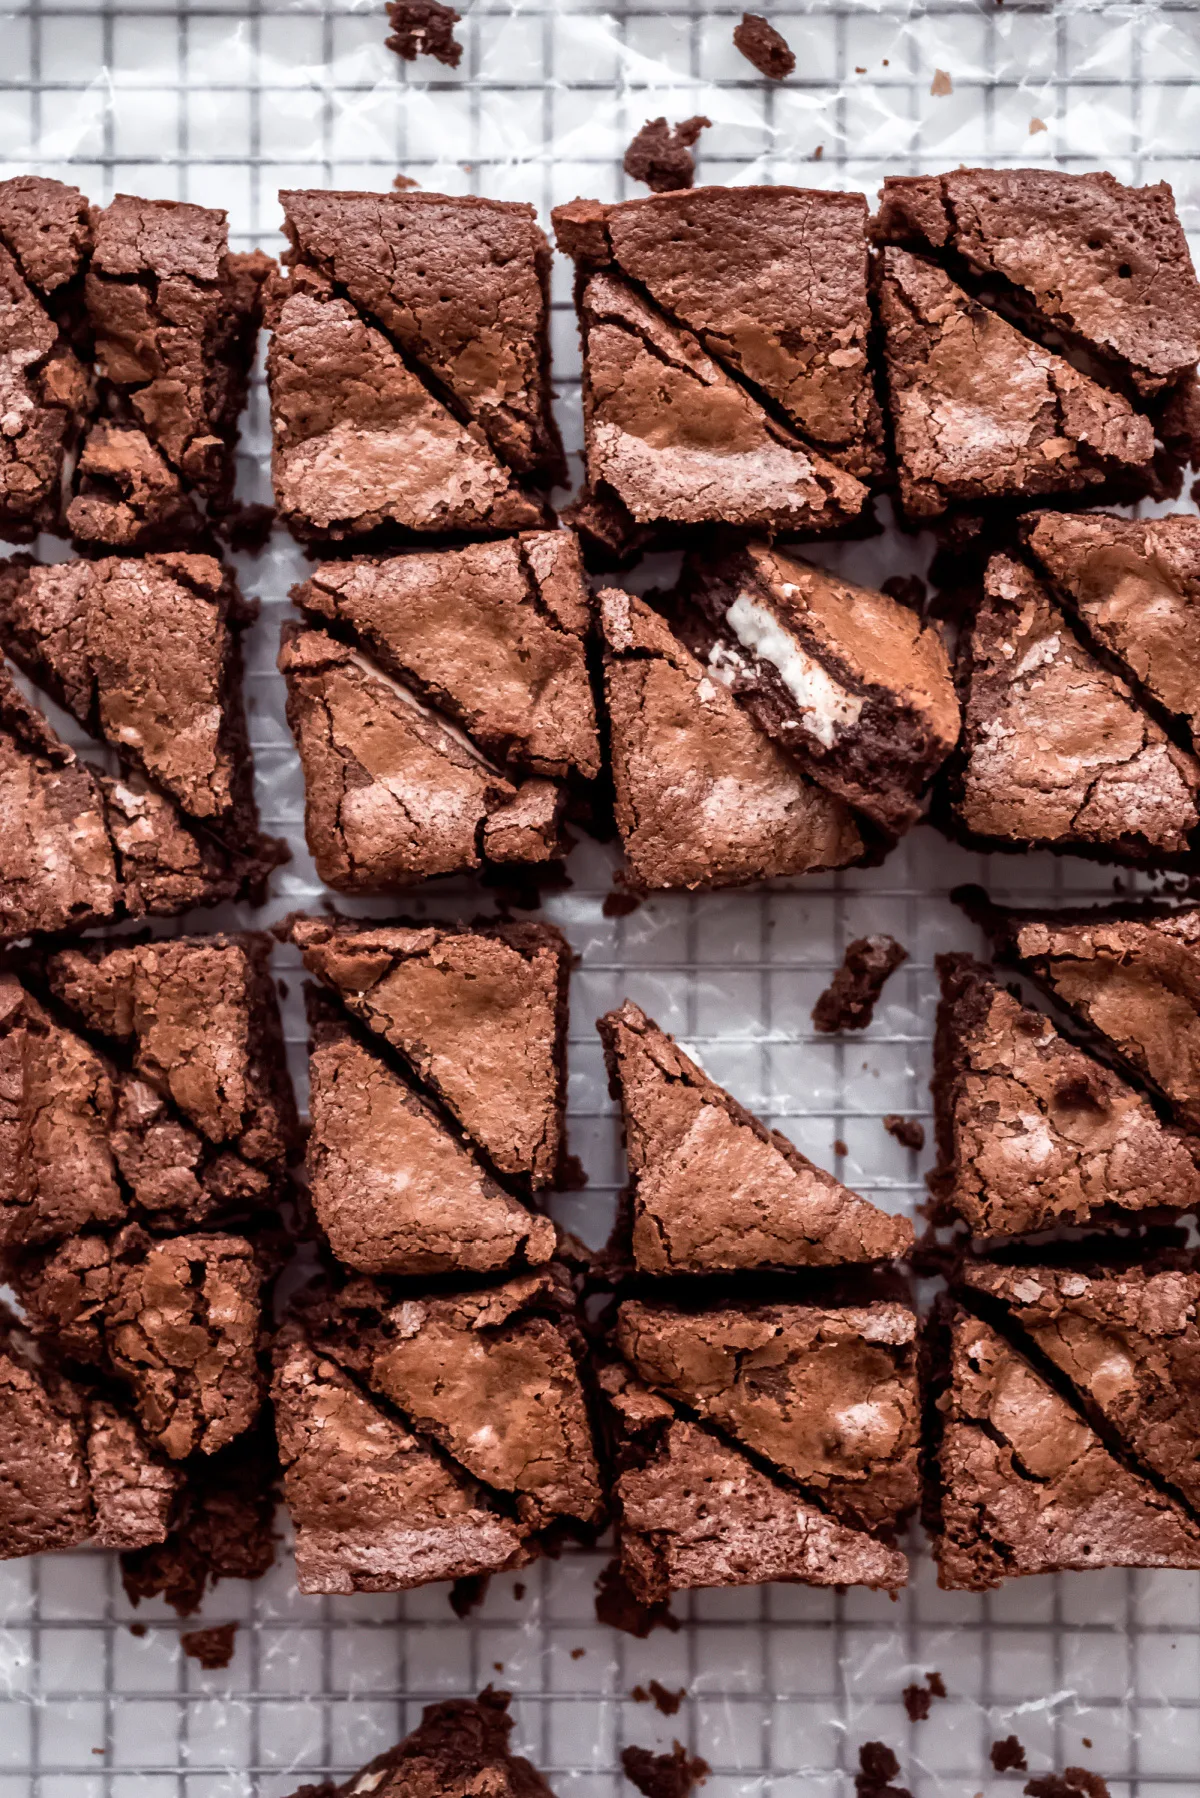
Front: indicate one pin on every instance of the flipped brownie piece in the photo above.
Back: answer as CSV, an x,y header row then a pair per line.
x,y
713,1190
827,1396
703,798
1032,1131
1128,1342
849,1001
1025,1486
1135,584
394,1190
361,445
374,1508
679,441
661,154
461,286
460,1745
693,1511
766,48
423,28
1105,265
494,1377
847,680
981,412
1056,752
492,634
480,1016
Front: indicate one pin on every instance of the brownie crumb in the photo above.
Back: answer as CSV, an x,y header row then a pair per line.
x,y
518,1589
941,85
666,1701
1073,1782
1008,1755
766,48
617,1606
577,1654
878,1766
910,1132
848,1002
402,183
138,1629
212,1647
661,154
619,904
839,1147
673,1775
918,1699
423,28
468,1592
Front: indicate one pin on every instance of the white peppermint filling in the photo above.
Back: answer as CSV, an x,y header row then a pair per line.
x,y
827,708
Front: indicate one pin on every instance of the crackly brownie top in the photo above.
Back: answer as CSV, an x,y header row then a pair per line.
x,y
460,1745
1058,750
479,1014
827,1395
1033,1131
44,225
1135,583
703,796
712,1187
493,634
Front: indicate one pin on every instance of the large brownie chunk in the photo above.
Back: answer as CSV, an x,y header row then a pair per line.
x,y
703,797
712,1189
459,1746
847,680
1033,1132
1057,752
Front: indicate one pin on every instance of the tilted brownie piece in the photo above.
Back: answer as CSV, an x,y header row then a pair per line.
x,y
1034,1132
492,634
44,241
713,1190
1104,265
479,1014
1134,583
1056,751
826,1395
704,798
849,1001
847,680
459,1746
693,1511
1025,1486
766,48
981,413
1128,1342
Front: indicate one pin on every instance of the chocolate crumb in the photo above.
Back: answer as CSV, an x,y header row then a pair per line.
x,y
878,1766
1008,1756
1072,1782
908,1131
918,1699
848,1002
673,1775
1036,125
402,183
212,1647
839,1147
577,1654
138,1630
661,154
498,1666
247,528
818,153
1086,1740
468,1592
423,28
941,85
616,1606
518,1589
618,904
766,48
666,1701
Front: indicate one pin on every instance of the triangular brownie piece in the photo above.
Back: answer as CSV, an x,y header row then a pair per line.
x,y
1129,1343
826,1394
1056,751
460,1745
479,1014
1032,1131
980,412
1135,584
703,797
712,1188
1025,1486
492,634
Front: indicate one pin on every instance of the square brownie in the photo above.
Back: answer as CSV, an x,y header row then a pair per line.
x,y
847,680
1057,752
712,1189
460,1745
704,798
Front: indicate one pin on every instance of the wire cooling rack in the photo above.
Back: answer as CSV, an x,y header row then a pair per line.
x,y
224,104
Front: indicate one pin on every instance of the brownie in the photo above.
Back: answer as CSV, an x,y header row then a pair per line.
x,y
661,154
981,413
849,1001
478,1015
712,1189
847,680
1026,1486
128,497
45,237
424,28
460,1745
1133,585
1057,752
703,797
766,48
1034,1132
827,1396
493,635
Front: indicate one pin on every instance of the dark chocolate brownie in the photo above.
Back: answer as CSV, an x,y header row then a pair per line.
x,y
479,1015
1025,1486
492,634
424,28
661,154
849,1001
703,797
45,237
766,48
848,681
1034,1132
1056,750
713,1190
1134,584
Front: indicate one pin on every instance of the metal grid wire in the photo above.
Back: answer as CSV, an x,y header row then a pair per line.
x,y
223,104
